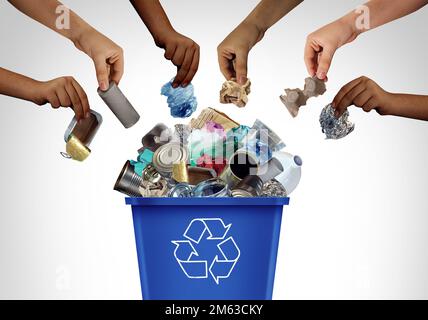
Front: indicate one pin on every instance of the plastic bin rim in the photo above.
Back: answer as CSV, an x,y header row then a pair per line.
x,y
135,201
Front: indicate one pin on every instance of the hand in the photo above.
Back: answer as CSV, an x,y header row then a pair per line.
x,y
363,93
183,53
322,44
107,56
62,92
233,51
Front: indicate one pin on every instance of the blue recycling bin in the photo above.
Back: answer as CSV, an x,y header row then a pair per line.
x,y
207,248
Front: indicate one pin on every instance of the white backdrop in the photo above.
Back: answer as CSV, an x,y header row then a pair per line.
x,y
357,226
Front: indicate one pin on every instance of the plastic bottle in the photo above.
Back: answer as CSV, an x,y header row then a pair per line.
x,y
292,173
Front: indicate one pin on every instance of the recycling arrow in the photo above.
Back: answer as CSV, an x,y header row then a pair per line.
x,y
183,253
224,259
221,268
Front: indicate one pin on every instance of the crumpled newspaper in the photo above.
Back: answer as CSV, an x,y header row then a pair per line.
x,y
232,92
181,101
333,127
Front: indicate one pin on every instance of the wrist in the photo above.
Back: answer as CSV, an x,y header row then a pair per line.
x,y
35,92
350,25
388,105
162,35
254,30
78,30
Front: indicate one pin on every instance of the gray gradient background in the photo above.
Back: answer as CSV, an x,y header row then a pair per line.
x,y
357,226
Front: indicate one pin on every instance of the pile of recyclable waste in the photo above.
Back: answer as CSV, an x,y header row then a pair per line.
x,y
212,156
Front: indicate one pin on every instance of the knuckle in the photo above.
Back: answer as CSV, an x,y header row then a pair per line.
x,y
69,79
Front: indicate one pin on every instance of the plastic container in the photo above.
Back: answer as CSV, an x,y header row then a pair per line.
x,y
207,248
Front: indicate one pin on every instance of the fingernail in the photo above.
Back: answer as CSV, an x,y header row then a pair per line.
x,y
336,114
321,75
184,84
103,86
174,85
87,115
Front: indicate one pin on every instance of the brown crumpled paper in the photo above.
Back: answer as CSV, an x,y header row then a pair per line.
x,y
295,98
232,92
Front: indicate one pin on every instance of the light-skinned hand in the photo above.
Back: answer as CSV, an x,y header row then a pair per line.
x,y
322,44
107,56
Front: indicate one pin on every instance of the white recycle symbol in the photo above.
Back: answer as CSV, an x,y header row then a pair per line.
x,y
224,261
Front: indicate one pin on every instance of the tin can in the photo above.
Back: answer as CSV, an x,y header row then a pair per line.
x,y
250,186
242,164
79,136
86,129
128,181
166,156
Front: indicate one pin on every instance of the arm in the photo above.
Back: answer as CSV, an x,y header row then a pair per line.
x,y
107,56
233,51
368,95
182,51
65,91
322,44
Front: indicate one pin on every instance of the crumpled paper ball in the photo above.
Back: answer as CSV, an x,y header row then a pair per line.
x,y
333,127
181,101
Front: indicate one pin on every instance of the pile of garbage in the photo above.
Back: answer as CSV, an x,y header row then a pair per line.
x,y
212,156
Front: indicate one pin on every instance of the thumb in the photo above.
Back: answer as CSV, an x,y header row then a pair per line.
x,y
102,73
326,56
241,67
